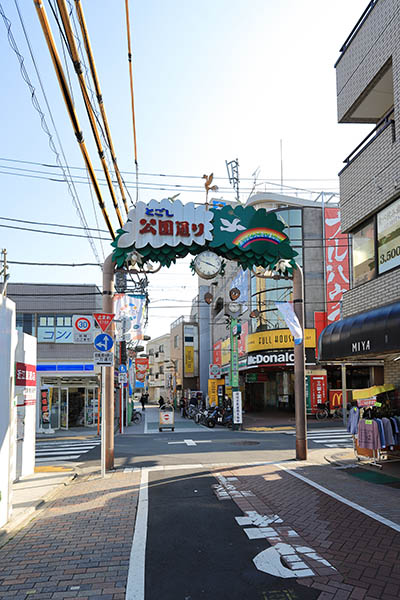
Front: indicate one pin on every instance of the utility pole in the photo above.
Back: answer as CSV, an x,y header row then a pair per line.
x,y
3,272
299,368
108,384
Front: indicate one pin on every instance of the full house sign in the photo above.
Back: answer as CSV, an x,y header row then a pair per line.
x,y
163,231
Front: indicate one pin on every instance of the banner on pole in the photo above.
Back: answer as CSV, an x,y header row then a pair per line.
x,y
287,311
129,316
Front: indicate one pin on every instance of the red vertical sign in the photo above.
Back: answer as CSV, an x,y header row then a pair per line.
x,y
336,263
217,353
318,389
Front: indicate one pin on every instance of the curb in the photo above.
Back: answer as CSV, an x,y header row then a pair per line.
x,y
13,526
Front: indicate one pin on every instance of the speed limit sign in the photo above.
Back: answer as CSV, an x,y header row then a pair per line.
x,y
82,329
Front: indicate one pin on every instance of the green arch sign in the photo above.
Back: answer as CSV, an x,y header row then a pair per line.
x,y
162,231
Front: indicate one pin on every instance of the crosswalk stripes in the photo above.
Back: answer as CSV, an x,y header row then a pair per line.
x,y
60,450
330,438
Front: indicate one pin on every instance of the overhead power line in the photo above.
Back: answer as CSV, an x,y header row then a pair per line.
x,y
36,105
70,107
99,96
70,40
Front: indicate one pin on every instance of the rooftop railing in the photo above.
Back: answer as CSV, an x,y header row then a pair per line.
x,y
356,28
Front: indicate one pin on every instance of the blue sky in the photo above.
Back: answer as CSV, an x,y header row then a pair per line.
x,y
214,80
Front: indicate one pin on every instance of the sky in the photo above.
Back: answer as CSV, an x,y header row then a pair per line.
x,y
214,80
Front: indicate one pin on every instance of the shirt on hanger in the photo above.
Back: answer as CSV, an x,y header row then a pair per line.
x,y
368,434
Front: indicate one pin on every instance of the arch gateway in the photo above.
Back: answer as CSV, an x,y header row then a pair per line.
x,y
164,231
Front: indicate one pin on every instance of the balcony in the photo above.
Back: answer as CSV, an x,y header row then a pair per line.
x,y
370,176
364,70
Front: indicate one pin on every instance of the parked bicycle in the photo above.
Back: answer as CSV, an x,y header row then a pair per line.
x,y
136,416
324,411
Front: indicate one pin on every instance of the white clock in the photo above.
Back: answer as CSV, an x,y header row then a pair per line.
x,y
207,264
234,307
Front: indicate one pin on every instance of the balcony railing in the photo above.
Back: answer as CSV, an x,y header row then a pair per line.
x,y
385,122
356,29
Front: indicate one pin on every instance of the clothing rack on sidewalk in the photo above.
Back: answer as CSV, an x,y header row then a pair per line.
x,y
375,426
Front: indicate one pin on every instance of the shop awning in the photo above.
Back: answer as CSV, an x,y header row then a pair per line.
x,y
372,391
369,333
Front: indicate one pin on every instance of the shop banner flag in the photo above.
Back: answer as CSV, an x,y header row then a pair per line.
x,y
129,316
287,311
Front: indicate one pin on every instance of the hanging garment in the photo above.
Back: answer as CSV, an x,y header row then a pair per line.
x,y
354,417
381,432
395,426
390,441
368,434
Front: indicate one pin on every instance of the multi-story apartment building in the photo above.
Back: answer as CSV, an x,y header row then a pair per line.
x,y
184,354
65,371
368,91
159,372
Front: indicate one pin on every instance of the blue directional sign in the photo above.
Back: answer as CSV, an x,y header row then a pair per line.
x,y
122,369
103,342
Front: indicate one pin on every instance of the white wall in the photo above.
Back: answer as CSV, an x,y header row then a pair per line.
x,y
25,406
8,340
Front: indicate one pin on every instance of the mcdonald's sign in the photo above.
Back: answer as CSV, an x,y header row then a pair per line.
x,y
336,398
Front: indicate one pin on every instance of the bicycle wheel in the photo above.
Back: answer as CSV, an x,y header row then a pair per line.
x,y
321,414
137,418
339,412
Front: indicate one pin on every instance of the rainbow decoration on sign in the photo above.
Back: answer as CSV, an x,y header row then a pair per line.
x,y
259,234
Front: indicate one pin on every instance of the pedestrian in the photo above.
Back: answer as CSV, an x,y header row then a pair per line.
x,y
182,407
143,401
161,401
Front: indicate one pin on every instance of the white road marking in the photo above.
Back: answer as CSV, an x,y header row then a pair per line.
x,y
364,511
52,452
54,458
192,442
136,571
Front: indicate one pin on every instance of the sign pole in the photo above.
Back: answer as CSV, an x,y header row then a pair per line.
x,y
103,428
108,293
236,395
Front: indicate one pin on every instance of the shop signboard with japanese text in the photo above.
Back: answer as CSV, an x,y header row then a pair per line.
x,y
388,222
217,353
25,383
189,361
337,274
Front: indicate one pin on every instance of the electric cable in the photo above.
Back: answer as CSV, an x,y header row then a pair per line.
x,y
36,105
70,108
89,108
92,65
128,34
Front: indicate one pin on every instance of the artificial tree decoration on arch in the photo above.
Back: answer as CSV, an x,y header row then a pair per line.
x,y
166,230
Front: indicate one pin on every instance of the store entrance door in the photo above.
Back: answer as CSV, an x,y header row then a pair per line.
x,y
91,407
76,407
63,408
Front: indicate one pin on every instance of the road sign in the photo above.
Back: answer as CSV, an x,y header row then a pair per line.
x,y
214,371
82,329
103,342
103,359
103,319
122,377
122,369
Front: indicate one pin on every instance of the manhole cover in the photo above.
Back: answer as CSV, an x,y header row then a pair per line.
x,y
245,443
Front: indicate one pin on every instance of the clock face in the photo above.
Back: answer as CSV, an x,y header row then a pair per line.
x,y
207,264
234,307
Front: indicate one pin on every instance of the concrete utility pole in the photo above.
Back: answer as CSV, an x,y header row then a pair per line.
x,y
108,387
299,368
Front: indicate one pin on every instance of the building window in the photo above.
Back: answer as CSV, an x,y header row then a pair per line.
x,y
388,233
161,348
364,253
189,338
55,329
25,322
176,341
161,370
